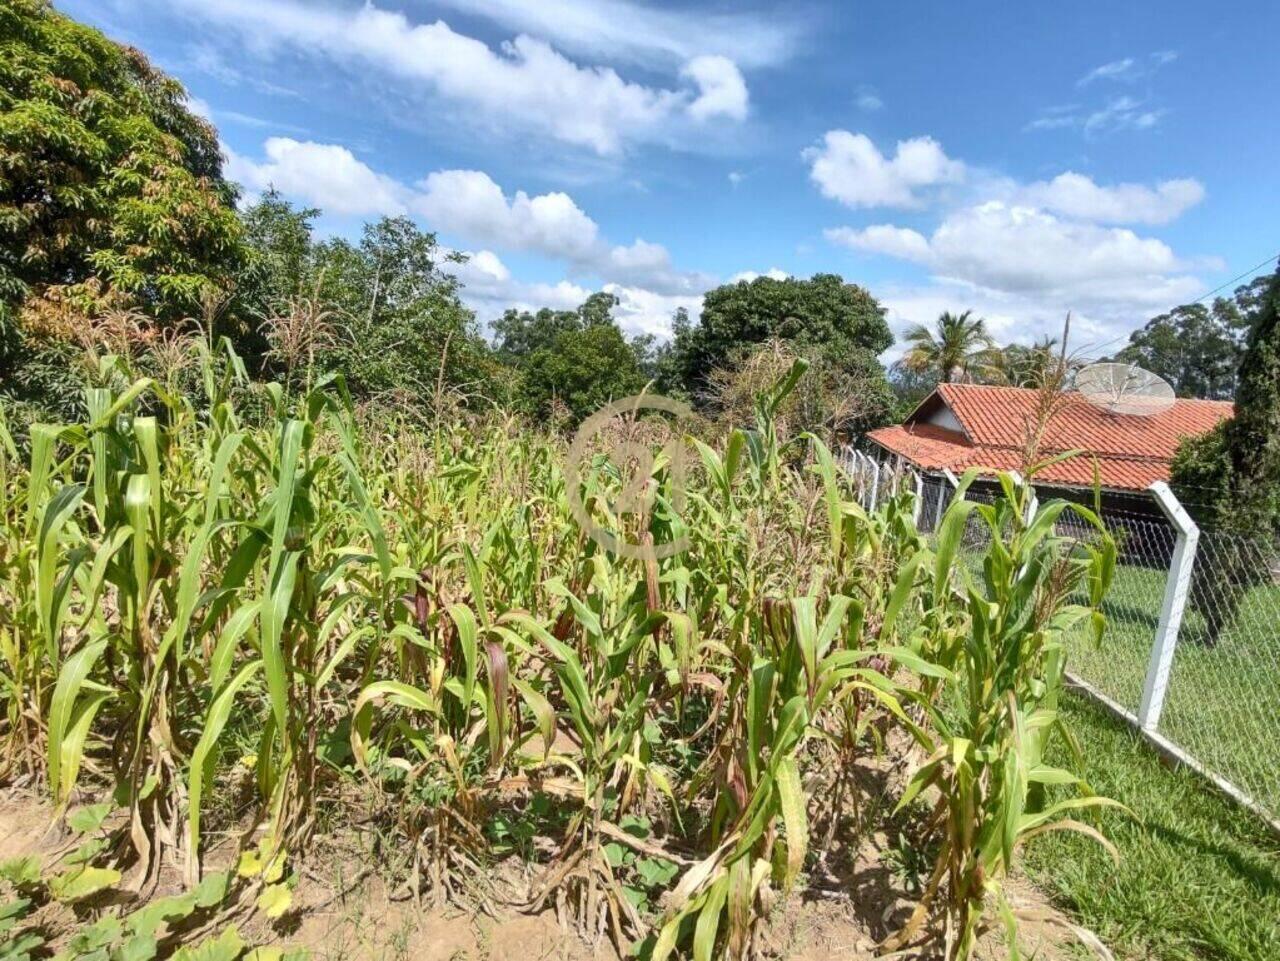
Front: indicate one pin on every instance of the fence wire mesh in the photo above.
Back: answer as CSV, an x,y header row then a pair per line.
x,y
1223,699
1144,545
1221,703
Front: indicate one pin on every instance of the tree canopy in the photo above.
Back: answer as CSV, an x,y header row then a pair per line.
x,y
111,198
578,360
1230,478
823,312
1196,347
111,185
518,334
1253,434
396,325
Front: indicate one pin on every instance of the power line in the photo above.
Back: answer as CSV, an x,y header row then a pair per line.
x,y
1251,270
1223,286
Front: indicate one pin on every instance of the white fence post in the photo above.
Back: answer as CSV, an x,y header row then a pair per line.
x,y
1175,601
919,504
937,511
875,482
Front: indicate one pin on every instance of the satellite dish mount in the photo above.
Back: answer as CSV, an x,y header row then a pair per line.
x,y
1124,389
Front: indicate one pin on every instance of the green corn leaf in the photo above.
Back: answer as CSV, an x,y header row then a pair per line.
x,y
44,442
475,578
913,661
224,651
948,544
145,430
464,620
137,506
341,653
704,932
793,803
127,397
273,613
544,714
53,518
837,610
397,693
202,758
64,713
903,589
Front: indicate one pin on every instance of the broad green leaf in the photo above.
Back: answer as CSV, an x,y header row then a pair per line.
x,y
226,946
80,883
793,803
275,900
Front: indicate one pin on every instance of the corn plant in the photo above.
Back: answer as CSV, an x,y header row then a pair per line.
x,y
604,684
1002,672
263,593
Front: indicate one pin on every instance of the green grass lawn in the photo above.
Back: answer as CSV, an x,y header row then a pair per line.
x,y
1199,878
1223,702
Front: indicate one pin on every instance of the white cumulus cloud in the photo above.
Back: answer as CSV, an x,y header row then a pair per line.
x,y
721,90
1028,251
1031,249
327,175
469,203
471,206
642,311
1075,195
524,84
773,273
848,167
489,289
901,242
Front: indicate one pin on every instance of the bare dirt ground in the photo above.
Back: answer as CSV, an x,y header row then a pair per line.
x,y
343,912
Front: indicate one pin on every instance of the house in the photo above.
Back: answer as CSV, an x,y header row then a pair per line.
x,y
960,426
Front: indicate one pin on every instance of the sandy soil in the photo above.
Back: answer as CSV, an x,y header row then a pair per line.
x,y
853,904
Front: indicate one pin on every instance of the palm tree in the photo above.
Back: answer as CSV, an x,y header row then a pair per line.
x,y
1017,365
957,343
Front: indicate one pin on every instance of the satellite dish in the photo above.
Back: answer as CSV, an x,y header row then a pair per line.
x,y
1124,389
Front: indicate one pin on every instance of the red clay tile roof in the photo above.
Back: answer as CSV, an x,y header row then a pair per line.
x,y
1132,452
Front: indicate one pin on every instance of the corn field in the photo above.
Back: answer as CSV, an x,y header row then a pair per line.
x,y
248,613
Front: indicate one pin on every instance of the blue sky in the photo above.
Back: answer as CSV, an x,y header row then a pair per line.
x,y
1109,158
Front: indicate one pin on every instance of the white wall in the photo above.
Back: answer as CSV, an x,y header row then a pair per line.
x,y
943,417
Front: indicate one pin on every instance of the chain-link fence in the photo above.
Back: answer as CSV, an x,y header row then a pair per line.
x,y
1191,654
1133,606
1222,698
